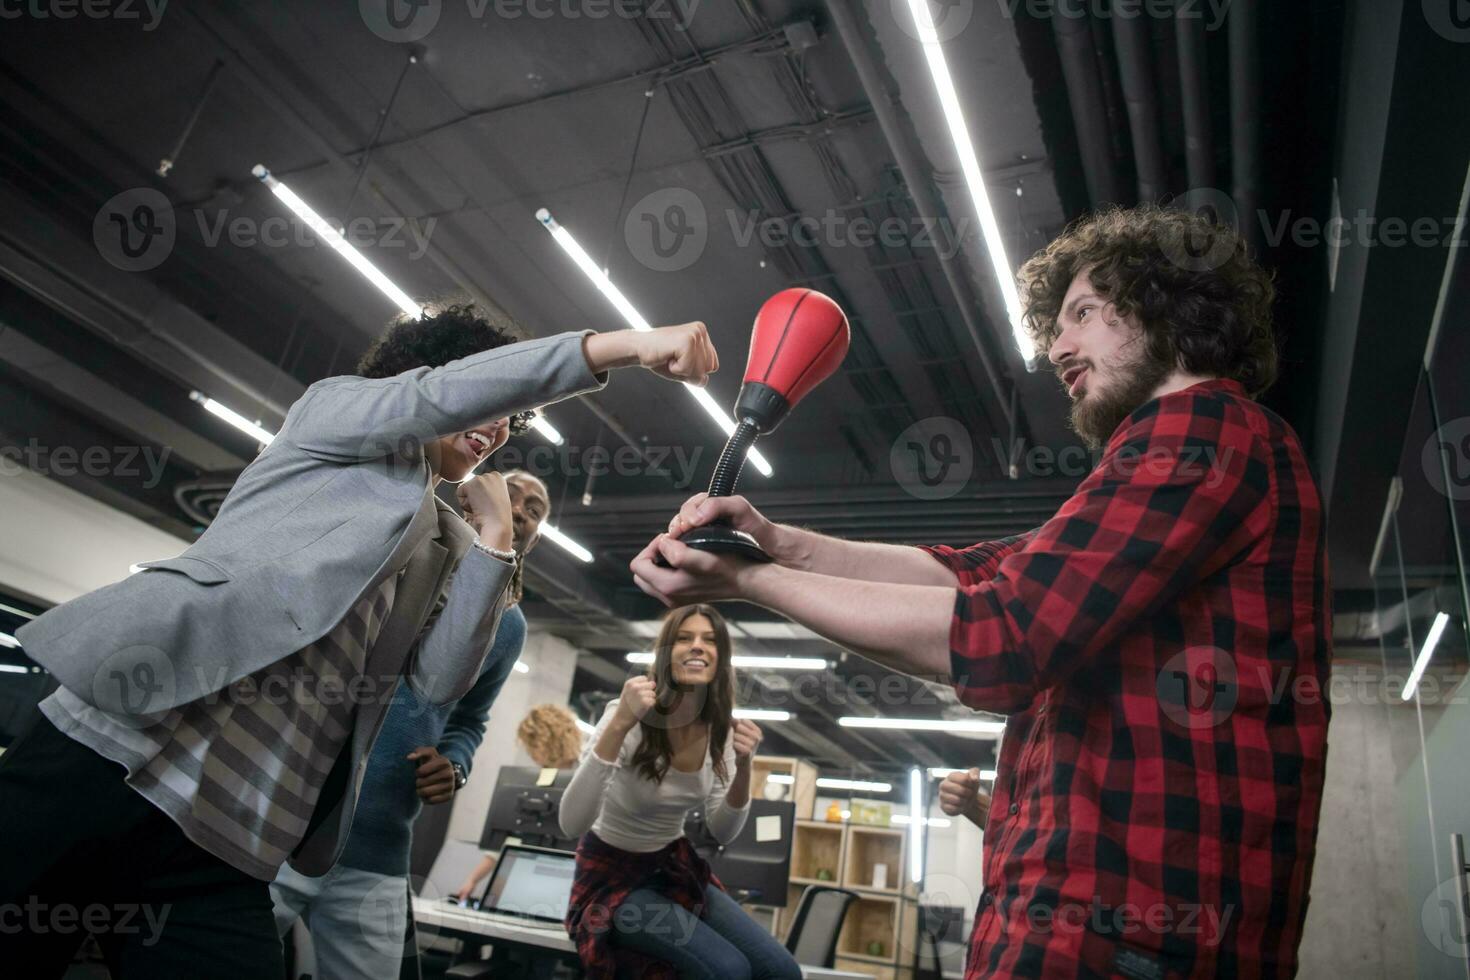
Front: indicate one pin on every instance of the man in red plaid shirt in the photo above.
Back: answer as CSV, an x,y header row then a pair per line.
x,y
1160,644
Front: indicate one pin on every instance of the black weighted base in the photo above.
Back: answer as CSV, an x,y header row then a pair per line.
x,y
724,540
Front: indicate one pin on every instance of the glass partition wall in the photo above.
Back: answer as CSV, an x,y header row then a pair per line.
x,y
1422,608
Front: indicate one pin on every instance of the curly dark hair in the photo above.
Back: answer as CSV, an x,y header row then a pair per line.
x,y
1203,302
441,335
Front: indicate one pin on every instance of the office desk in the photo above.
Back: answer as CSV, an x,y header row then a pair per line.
x,y
444,919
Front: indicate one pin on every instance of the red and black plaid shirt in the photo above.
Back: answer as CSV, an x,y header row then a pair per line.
x,y
1162,647
604,877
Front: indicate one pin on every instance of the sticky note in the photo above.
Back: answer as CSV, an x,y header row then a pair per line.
x,y
547,777
768,828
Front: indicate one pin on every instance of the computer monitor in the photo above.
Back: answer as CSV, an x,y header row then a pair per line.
x,y
760,867
524,809
531,882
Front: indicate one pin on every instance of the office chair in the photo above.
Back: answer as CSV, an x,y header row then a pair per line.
x,y
812,940
938,924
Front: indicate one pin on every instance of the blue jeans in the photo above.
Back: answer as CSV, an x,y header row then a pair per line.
x,y
725,945
358,919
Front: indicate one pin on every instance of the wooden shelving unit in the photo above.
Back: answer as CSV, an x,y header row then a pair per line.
x,y
868,847
817,846
870,931
889,919
887,915
847,852
802,790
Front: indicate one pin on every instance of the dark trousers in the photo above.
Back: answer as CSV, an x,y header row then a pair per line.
x,y
81,852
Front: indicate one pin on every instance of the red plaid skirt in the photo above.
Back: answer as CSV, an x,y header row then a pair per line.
x,y
605,875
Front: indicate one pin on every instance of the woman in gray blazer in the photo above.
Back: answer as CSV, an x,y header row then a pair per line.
x,y
215,711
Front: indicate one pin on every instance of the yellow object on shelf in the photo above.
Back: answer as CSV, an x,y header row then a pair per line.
x,y
834,812
871,813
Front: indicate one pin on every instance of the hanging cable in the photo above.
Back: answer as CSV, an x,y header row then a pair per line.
x,y
628,180
367,152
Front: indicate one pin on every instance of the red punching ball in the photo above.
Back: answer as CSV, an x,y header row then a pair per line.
x,y
799,339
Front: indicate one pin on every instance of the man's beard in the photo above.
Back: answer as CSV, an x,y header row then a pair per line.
x,y
1132,382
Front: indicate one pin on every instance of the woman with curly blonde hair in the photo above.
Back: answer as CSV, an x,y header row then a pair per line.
x,y
550,736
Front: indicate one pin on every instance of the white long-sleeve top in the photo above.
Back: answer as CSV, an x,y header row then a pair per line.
x,y
632,812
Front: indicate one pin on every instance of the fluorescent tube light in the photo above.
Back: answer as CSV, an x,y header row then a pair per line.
x,y
541,425
859,785
17,612
949,101
780,663
781,778
762,714
636,320
941,773
1430,642
924,724
902,819
916,826
339,244
6,640
522,667
553,534
227,414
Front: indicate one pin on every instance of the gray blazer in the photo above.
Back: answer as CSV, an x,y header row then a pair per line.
x,y
340,498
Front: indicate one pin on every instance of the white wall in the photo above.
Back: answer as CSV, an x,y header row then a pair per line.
x,y
553,661
952,865
1360,920
60,543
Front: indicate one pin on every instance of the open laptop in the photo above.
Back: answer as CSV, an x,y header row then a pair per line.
x,y
530,885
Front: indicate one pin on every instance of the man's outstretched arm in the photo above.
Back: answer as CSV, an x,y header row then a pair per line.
x,y
807,551
1151,521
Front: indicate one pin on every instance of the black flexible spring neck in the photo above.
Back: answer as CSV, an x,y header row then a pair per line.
x,y
732,460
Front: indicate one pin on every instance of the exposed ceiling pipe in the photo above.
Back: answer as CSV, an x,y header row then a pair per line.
x,y
1089,112
1135,68
1104,51
1194,74
915,173
1245,103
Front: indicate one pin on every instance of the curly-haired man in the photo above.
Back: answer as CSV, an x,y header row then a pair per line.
x,y
1155,809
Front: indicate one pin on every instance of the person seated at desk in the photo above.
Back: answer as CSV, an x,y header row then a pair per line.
x,y
550,736
642,899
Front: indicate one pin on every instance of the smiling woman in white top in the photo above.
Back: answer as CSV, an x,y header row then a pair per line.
x,y
644,903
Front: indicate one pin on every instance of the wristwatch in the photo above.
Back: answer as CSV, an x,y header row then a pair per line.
x,y
460,776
